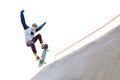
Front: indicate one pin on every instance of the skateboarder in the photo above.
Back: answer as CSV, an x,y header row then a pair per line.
x,y
29,35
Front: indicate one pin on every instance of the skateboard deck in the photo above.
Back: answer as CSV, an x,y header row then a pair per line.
x,y
41,62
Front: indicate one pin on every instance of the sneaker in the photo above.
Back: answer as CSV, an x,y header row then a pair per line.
x,y
44,46
38,58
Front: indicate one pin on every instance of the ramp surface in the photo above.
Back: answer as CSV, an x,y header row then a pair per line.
x,y
99,60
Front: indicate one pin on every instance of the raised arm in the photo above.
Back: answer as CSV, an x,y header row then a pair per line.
x,y
23,20
40,27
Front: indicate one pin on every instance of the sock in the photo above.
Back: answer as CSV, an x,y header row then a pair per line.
x,y
36,55
41,44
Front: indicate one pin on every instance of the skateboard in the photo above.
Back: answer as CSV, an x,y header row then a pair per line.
x,y
41,62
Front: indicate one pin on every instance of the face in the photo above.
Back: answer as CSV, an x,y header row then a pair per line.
x,y
33,28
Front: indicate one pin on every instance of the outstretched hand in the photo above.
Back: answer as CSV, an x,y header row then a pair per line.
x,y
22,11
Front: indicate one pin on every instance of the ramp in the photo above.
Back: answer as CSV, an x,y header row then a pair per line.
x,y
98,60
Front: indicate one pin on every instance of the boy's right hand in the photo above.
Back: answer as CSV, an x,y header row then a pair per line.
x,y
22,11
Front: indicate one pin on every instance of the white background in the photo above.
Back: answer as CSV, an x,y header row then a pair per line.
x,y
67,22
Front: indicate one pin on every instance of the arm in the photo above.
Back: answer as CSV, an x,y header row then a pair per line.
x,y
40,27
23,20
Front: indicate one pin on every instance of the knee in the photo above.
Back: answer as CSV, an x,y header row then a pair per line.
x,y
39,35
30,43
